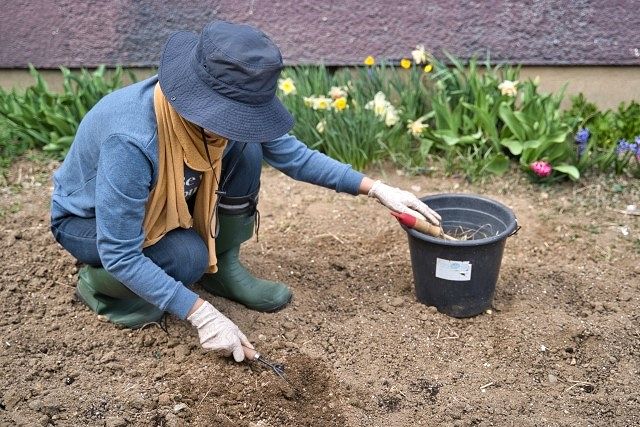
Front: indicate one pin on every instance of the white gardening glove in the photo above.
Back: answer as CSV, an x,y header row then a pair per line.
x,y
402,201
218,333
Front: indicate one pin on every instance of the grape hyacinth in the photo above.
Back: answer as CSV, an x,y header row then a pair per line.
x,y
541,168
623,146
582,139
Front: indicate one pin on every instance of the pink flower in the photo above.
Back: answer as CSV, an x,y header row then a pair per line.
x,y
541,168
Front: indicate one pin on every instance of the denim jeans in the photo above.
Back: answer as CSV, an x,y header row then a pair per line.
x,y
181,253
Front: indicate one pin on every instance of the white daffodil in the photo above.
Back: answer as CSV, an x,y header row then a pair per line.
x,y
320,126
379,105
308,101
287,86
338,92
508,88
416,127
419,55
321,103
391,116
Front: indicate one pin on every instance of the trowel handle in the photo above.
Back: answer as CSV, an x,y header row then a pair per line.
x,y
419,224
250,353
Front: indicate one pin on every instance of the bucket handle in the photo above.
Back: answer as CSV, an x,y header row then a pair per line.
x,y
514,232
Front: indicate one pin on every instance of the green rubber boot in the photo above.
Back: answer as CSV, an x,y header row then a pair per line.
x,y
106,296
233,281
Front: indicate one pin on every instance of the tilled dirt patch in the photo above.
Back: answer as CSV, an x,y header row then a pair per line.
x,y
560,346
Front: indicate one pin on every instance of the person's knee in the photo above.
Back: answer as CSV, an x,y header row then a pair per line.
x,y
196,256
182,254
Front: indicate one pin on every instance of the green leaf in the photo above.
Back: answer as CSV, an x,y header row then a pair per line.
x,y
425,146
498,165
570,170
450,140
514,146
511,121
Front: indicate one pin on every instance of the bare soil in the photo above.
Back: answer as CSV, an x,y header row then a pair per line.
x,y
560,346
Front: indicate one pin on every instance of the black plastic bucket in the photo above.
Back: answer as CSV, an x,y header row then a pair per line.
x,y
459,277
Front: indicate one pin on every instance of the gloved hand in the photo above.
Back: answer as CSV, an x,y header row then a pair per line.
x,y
218,333
402,201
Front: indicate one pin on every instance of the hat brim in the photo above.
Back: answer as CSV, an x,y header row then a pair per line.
x,y
197,102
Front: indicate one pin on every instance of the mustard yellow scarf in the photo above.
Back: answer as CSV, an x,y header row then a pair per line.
x,y
179,143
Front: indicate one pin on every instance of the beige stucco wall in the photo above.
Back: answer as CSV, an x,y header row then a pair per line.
x,y
606,86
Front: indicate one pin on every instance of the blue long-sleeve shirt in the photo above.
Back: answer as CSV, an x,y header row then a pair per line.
x,y
112,166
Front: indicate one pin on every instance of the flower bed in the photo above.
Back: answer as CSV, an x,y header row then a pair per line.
x,y
423,115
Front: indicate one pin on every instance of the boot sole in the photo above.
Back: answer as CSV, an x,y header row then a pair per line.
x,y
282,307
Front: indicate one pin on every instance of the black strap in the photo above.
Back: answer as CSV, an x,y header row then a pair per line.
x,y
220,192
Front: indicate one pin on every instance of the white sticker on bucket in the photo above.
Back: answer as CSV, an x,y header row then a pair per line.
x,y
458,271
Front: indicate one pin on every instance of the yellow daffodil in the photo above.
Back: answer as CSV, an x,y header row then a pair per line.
x,y
419,55
391,116
379,105
405,63
508,88
369,61
428,68
416,128
338,92
320,126
340,103
287,86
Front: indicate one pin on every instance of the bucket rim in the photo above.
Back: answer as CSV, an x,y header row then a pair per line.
x,y
512,225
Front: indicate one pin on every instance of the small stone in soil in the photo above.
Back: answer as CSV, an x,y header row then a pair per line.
x,y
35,405
171,420
396,302
164,399
179,407
116,422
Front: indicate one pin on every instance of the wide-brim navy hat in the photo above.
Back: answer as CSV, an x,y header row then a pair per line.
x,y
225,80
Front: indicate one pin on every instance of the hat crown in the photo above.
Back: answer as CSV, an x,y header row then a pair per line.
x,y
240,61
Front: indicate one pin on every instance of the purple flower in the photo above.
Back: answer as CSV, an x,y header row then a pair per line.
x,y
581,149
582,136
623,146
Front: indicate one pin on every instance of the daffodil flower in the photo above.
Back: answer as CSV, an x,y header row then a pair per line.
x,y
321,125
416,127
379,104
391,116
428,68
340,104
321,103
308,101
369,61
383,109
338,92
508,88
419,55
405,63
287,86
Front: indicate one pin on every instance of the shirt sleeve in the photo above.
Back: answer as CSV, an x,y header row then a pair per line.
x,y
123,184
295,159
